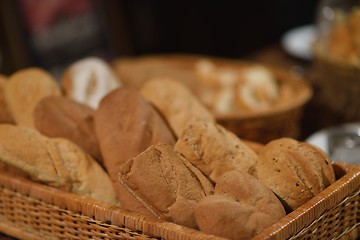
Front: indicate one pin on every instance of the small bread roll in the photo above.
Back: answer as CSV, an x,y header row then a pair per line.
x,y
88,80
175,102
295,171
5,115
165,183
240,208
215,150
58,116
126,125
25,89
56,162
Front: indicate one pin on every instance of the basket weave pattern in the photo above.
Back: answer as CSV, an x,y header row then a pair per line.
x,y
32,211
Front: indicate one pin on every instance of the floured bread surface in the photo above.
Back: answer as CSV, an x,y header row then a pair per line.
x,y
215,150
88,80
55,162
295,171
58,116
5,114
240,208
165,183
176,102
25,89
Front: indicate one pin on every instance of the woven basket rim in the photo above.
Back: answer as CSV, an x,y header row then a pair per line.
x,y
186,61
290,224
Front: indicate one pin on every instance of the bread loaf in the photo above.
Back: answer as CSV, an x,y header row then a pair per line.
x,y
175,102
165,183
88,80
5,115
58,116
56,162
215,150
295,171
25,89
126,125
240,208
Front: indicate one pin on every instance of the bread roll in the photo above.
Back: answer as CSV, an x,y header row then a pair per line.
x,y
58,116
240,208
295,171
175,102
5,115
126,125
165,183
88,80
56,162
215,150
25,89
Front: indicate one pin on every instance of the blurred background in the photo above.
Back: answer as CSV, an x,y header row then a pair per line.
x,y
53,33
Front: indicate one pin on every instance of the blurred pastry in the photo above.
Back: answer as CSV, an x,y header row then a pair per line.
x,y
24,89
88,80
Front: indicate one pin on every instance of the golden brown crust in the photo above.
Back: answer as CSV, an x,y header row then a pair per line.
x,y
240,208
56,162
214,150
162,181
58,116
175,102
25,89
5,114
294,171
126,125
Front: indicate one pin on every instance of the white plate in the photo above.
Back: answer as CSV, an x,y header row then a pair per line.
x,y
298,41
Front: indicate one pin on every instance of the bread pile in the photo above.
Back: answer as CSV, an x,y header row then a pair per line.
x,y
156,150
342,40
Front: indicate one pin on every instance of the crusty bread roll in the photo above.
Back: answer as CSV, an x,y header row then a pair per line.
x,y
240,208
175,102
165,183
56,162
125,125
5,115
215,150
25,89
58,116
88,80
295,171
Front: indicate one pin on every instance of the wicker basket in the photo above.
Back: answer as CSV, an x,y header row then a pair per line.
x,y
281,121
338,85
33,211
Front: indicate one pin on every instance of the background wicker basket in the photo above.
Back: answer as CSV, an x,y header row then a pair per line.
x,y
33,211
280,121
338,84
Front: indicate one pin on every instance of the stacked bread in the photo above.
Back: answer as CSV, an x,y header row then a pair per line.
x,y
154,149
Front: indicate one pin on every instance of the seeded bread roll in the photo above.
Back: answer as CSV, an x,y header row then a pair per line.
x,y
295,171
165,183
175,102
126,125
240,208
58,116
5,115
25,89
215,150
56,162
88,80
